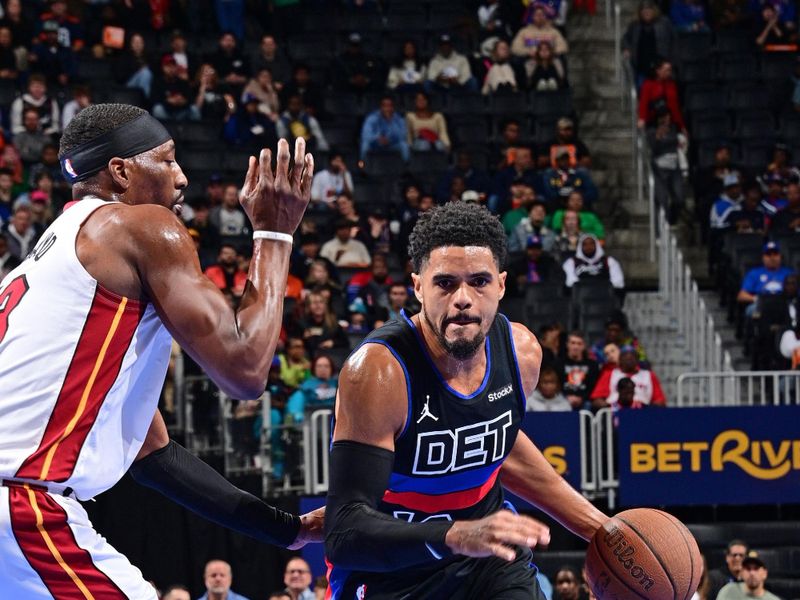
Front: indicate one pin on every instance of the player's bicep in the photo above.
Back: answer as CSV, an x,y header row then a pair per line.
x,y
372,401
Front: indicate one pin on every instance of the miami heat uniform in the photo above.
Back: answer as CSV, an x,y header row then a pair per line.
x,y
81,370
446,466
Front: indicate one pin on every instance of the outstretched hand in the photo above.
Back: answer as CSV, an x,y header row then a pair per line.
x,y
311,529
277,202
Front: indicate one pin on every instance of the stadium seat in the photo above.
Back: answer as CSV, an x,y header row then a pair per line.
x,y
745,97
692,46
548,313
514,308
702,98
699,71
467,104
737,68
200,160
755,125
341,136
756,154
200,134
369,192
428,162
557,104
389,164
8,93
406,22
310,47
236,161
776,66
710,127
363,22
732,41
474,131
508,104
124,95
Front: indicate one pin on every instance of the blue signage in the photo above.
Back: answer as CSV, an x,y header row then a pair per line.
x,y
685,456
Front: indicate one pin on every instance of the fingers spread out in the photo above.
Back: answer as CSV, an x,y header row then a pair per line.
x,y
265,164
299,160
502,551
251,178
308,176
282,169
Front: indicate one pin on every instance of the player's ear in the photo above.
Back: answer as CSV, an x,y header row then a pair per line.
x,y
118,169
417,280
501,280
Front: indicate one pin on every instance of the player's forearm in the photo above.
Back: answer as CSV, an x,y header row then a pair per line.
x,y
258,320
527,474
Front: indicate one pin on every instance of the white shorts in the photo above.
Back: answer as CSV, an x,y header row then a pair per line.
x,y
48,549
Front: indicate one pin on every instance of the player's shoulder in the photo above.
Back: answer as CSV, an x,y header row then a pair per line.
x,y
526,344
371,364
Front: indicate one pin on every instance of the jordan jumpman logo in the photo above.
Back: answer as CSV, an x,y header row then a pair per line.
x,y
426,411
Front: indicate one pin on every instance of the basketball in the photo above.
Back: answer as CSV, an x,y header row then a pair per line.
x,y
643,553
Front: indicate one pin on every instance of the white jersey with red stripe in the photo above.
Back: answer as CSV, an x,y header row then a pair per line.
x,y
81,368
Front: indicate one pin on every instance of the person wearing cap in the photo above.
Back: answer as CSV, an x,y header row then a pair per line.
x,y
727,203
566,138
67,27
751,216
384,131
171,95
617,334
591,263
56,61
540,29
560,181
647,38
754,574
532,224
356,71
535,266
296,122
589,222
764,280
449,70
343,250
648,388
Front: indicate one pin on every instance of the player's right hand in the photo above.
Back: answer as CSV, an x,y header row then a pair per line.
x,y
496,535
276,202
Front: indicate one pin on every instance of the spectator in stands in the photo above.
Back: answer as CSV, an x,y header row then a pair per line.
x,y
81,98
248,127
731,571
172,95
218,578
610,356
545,72
297,578
754,574
550,340
764,280
427,130
787,221
294,365
296,122
384,131
532,268
617,334
32,139
560,181
522,171
9,62
302,85
533,224
522,197
590,263
232,67
69,30
399,300
36,98
20,24
491,18
540,29
7,194
377,234
319,277
355,71
658,92
316,392
207,233
280,595
474,178
55,61
501,76
688,16
750,216
262,87
579,373
132,67
626,396
343,251
708,183
568,585
372,286
665,142
781,163
10,159
20,232
647,39
228,218
408,72
318,326
448,70
566,139
213,104
772,35
332,181
226,274
648,388
727,203
775,199
176,592
589,223
269,56
8,262
347,210
58,189
566,242
179,51
504,151
547,396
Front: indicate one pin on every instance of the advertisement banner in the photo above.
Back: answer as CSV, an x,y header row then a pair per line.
x,y
685,456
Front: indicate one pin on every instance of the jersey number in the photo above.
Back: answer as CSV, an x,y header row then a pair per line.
x,y
9,299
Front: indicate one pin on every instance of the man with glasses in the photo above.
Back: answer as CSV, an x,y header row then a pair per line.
x,y
754,574
297,578
732,571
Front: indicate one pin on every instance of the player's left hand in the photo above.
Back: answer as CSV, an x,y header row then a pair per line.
x,y
311,529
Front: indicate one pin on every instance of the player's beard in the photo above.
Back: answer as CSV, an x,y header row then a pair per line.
x,y
462,348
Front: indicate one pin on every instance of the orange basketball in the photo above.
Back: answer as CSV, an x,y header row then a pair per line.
x,y
643,553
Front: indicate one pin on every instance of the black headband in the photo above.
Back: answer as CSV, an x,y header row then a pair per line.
x,y
134,137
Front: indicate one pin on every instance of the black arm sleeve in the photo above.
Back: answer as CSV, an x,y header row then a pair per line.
x,y
187,480
357,536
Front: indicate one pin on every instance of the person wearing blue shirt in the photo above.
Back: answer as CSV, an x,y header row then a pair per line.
x,y
318,391
218,578
384,131
688,16
765,280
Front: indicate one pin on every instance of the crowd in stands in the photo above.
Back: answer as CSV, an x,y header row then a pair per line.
x,y
718,91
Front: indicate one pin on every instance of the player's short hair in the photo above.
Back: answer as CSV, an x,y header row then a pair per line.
x,y
93,121
456,224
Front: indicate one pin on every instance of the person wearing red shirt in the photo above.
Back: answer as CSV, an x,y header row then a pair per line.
x,y
648,388
226,274
660,90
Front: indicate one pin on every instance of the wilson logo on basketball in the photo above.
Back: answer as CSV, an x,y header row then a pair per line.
x,y
626,555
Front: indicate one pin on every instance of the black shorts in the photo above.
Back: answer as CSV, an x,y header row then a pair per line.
x,y
463,579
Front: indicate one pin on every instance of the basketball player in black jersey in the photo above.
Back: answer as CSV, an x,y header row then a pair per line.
x,y
427,435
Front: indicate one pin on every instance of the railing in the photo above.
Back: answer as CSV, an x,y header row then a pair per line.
x,y
739,388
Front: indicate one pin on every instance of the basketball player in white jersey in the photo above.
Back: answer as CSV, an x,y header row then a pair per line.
x,y
85,331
